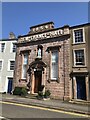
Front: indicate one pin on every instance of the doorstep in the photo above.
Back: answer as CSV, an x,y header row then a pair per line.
x,y
79,101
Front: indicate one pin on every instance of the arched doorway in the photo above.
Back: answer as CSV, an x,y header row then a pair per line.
x,y
37,81
37,75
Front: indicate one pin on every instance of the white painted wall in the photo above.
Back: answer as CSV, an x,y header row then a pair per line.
x,y
6,56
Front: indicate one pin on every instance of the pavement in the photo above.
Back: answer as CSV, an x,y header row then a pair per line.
x,y
81,107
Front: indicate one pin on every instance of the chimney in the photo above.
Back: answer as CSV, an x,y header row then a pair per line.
x,y
12,35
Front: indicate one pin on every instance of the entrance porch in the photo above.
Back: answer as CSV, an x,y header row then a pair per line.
x,y
80,87
37,73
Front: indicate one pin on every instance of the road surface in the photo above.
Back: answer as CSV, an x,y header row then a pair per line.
x,y
15,110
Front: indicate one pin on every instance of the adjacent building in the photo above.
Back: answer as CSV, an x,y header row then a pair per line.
x,y
7,62
56,59
80,62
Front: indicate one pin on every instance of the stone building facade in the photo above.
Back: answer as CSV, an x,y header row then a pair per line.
x,y
45,58
80,62
42,59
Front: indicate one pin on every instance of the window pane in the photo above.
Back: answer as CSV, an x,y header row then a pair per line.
x,y
24,66
54,63
78,35
79,56
25,58
14,47
2,47
12,64
55,57
0,65
24,71
54,71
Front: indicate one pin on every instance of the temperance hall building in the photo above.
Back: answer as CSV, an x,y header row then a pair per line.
x,y
56,59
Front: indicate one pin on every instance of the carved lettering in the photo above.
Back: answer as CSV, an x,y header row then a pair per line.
x,y
46,35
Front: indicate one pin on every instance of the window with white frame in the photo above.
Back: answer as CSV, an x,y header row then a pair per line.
x,y
24,66
14,47
12,64
54,65
78,35
79,57
0,65
2,47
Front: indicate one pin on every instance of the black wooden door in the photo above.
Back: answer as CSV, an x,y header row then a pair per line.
x,y
81,88
10,80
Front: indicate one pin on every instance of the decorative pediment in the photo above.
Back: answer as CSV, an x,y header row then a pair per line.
x,y
37,64
41,27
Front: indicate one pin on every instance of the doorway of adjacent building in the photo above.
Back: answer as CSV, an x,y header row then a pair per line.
x,y
81,87
10,80
38,80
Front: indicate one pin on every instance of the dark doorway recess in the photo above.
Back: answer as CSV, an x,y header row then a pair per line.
x,y
38,81
81,87
10,80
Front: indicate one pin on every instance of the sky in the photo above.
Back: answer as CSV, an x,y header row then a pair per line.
x,y
18,17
